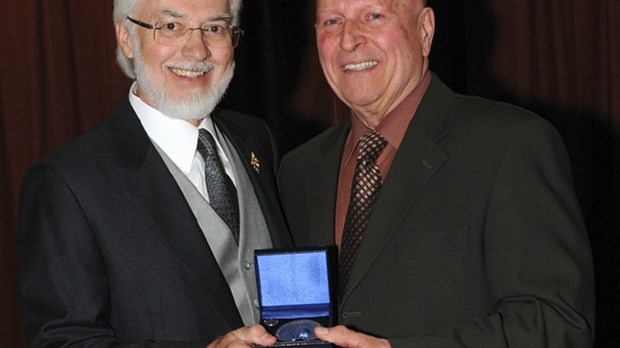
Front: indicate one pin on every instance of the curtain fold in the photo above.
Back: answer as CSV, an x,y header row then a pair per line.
x,y
561,58
564,52
57,79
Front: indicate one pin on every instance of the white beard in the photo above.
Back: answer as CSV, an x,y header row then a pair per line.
x,y
196,105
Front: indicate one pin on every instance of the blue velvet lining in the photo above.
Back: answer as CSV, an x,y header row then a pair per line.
x,y
293,284
296,312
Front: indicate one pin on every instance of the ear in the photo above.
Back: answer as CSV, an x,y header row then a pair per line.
x,y
124,40
427,29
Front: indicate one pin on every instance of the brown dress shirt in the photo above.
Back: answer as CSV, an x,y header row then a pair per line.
x,y
392,128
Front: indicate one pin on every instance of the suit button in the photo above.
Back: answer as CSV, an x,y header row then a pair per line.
x,y
247,266
351,314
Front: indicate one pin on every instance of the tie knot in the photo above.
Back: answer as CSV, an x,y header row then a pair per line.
x,y
206,143
371,145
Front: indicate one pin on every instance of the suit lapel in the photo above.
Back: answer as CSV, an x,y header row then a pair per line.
x,y
417,161
142,174
321,187
248,148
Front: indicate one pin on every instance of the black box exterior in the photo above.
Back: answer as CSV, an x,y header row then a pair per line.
x,y
297,292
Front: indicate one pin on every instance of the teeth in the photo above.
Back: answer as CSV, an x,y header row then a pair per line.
x,y
360,66
187,73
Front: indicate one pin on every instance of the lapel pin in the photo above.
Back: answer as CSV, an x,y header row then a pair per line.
x,y
255,162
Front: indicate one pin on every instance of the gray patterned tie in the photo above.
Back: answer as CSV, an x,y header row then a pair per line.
x,y
366,183
222,192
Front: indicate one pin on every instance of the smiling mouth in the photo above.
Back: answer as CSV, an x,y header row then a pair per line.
x,y
188,73
360,66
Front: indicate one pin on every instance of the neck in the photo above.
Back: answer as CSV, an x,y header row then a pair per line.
x,y
195,122
371,121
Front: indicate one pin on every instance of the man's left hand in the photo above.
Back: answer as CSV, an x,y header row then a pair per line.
x,y
343,337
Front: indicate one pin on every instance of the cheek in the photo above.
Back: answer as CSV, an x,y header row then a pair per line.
x,y
220,57
321,39
324,44
155,59
226,57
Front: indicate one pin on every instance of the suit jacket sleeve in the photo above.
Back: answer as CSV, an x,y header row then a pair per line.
x,y
65,295
537,255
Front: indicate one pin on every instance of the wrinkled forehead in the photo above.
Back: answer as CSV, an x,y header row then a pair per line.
x,y
397,5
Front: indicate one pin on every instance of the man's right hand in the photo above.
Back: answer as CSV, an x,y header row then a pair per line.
x,y
244,337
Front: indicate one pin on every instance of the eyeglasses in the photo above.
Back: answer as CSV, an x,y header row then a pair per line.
x,y
176,33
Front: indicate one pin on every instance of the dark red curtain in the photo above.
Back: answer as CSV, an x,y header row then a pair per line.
x,y
560,58
566,52
57,79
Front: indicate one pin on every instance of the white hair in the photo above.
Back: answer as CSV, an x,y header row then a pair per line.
x,y
125,8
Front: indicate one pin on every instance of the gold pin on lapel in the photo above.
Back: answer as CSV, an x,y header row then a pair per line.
x,y
255,162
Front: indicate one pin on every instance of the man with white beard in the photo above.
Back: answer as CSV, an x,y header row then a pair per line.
x,y
142,231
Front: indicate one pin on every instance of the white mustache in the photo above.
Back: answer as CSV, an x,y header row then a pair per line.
x,y
199,67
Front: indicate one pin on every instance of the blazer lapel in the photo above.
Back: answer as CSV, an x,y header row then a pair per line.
x,y
143,175
417,161
263,181
322,187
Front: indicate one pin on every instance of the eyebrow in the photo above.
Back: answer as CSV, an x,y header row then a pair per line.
x,y
220,18
223,18
174,14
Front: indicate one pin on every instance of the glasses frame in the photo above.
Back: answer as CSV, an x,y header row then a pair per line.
x,y
234,31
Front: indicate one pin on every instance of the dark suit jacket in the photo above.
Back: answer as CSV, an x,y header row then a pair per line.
x,y
110,252
476,238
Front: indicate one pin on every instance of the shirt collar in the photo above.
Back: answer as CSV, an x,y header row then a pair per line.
x,y
177,138
395,124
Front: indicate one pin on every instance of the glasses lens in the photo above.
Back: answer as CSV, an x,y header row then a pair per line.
x,y
177,34
217,35
170,33
236,35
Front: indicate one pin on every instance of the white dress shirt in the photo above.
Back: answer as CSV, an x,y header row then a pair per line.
x,y
178,139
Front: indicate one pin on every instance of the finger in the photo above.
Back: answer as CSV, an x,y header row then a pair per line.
x,y
343,337
338,335
255,334
244,337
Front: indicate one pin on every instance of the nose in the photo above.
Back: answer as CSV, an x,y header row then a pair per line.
x,y
352,36
196,47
